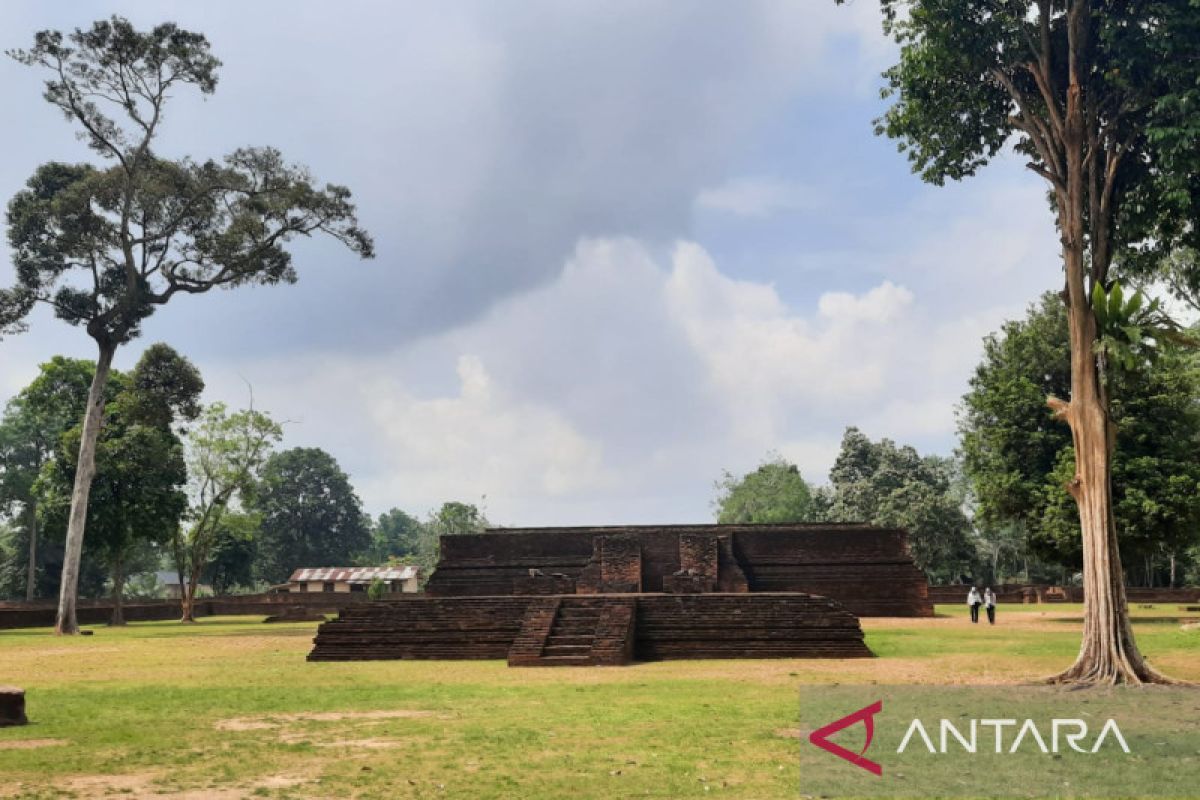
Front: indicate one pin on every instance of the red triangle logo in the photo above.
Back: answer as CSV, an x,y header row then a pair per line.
x,y
866,716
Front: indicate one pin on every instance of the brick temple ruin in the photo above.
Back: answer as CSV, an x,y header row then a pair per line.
x,y
609,595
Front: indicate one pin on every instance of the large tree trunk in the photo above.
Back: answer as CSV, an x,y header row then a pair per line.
x,y
31,575
85,470
118,591
1108,653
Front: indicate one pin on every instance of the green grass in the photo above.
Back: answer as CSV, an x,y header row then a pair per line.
x,y
150,705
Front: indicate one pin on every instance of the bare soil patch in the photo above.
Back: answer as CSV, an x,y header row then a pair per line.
x,y
31,744
141,785
270,721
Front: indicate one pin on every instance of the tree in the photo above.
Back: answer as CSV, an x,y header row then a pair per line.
x,y
1018,458
395,534
1102,99
137,493
775,492
30,433
311,516
452,519
234,551
882,484
455,518
224,455
106,245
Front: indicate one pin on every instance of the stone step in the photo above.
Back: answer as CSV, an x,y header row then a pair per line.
x,y
566,650
556,638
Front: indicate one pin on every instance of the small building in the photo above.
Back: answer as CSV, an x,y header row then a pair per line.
x,y
354,579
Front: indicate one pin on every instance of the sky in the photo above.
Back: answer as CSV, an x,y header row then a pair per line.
x,y
622,247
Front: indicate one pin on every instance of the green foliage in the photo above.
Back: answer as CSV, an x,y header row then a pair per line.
x,y
234,550
311,516
395,534
964,63
137,494
451,519
882,484
224,453
454,518
31,430
775,492
377,589
1018,458
1129,329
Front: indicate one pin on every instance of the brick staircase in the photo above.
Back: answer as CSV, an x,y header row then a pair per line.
x,y
575,631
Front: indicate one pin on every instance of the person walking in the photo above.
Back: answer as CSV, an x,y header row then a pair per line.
x,y
974,601
989,603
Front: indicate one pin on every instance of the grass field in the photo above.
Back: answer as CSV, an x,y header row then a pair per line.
x,y
228,708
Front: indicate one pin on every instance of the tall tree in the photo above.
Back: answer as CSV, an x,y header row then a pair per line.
x,y
396,534
137,493
224,455
310,515
1101,97
775,492
1018,458
234,551
106,245
30,433
880,483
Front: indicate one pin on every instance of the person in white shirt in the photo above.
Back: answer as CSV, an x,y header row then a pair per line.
x,y
974,601
989,602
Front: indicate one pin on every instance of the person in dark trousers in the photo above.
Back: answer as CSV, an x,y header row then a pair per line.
x,y
989,603
974,601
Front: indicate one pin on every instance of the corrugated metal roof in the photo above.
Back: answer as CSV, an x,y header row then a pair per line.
x,y
354,574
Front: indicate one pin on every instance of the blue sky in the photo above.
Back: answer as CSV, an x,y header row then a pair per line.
x,y
622,246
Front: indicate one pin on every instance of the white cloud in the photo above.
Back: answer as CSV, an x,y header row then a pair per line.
x,y
480,441
620,391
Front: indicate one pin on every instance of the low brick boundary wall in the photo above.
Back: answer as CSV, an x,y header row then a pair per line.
x,y
1035,593
41,614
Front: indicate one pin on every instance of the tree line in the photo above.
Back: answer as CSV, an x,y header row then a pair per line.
x,y
198,490
996,511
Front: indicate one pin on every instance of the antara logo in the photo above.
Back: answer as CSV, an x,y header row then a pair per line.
x,y
1073,732
820,737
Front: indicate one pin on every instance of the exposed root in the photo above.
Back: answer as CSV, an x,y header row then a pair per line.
x,y
1082,673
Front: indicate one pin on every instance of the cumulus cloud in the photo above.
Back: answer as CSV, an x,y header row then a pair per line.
x,y
478,440
621,390
532,331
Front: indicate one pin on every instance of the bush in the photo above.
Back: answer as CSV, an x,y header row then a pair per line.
x,y
377,589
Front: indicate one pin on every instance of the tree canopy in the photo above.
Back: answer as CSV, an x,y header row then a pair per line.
x,y
774,492
104,246
1018,458
884,484
140,472
310,515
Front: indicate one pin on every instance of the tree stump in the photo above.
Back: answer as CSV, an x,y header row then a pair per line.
x,y
12,706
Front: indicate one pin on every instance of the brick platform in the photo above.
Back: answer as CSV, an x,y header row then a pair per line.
x,y
595,630
868,570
